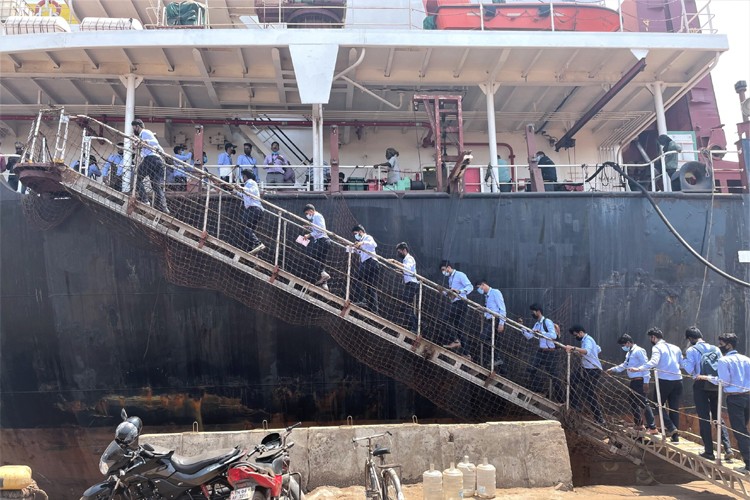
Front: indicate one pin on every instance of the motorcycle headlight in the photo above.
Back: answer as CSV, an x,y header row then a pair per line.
x,y
103,467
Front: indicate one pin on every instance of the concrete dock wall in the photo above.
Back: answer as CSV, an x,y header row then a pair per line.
x,y
525,454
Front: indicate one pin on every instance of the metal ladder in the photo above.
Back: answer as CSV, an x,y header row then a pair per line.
x,y
617,440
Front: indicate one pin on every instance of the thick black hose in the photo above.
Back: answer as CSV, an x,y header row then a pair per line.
x,y
671,228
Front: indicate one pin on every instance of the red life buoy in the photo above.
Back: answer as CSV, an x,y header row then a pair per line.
x,y
51,3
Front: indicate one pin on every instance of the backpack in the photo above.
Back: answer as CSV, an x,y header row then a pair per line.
x,y
709,364
557,328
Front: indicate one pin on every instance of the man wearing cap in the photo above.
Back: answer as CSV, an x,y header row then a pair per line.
x,y
319,245
246,160
225,160
151,166
666,360
586,381
112,170
276,163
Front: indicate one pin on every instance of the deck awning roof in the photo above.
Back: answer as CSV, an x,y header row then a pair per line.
x,y
542,76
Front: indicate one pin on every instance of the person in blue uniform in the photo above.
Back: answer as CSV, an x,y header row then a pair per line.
x,y
734,375
408,267
113,167
151,166
585,381
319,245
365,278
246,161
253,211
458,288
544,362
495,302
635,355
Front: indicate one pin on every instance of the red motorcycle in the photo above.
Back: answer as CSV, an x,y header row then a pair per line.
x,y
267,477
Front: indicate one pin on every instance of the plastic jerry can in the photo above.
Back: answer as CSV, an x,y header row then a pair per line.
x,y
453,483
469,471
485,480
432,484
15,477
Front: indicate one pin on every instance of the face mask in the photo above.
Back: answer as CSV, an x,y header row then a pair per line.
x,y
579,339
446,273
309,217
724,349
625,348
357,236
480,291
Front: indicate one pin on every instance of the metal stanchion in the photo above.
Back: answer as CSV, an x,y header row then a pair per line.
x,y
349,276
661,408
567,386
278,242
492,346
205,213
419,311
718,423
218,218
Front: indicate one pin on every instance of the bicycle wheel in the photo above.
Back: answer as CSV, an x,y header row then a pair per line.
x,y
372,484
391,486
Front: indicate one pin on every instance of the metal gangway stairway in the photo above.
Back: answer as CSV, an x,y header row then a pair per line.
x,y
612,438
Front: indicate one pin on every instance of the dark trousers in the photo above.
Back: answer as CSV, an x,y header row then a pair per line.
x,y
454,316
318,251
485,347
544,371
706,403
365,282
639,404
583,388
738,407
153,168
406,306
250,218
671,396
504,187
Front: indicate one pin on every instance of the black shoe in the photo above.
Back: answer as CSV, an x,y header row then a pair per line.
x,y
707,456
728,456
675,437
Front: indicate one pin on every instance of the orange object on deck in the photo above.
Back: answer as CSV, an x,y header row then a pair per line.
x,y
461,15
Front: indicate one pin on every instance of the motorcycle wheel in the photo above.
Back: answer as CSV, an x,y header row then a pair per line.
x,y
259,495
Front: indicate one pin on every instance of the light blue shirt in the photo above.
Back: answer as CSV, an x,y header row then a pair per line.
x,y
251,188
153,144
224,159
410,269
692,361
115,159
590,360
243,160
546,329
734,373
495,303
318,229
634,358
459,282
503,171
665,359
369,245
179,170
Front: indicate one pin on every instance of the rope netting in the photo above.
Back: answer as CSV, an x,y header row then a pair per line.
x,y
239,226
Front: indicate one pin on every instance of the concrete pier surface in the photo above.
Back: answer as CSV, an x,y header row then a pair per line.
x,y
525,454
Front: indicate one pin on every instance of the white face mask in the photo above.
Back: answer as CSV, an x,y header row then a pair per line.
x,y
309,216
357,236
625,348
446,273
480,291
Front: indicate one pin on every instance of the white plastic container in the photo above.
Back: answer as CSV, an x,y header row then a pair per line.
x,y
453,483
485,480
432,484
469,471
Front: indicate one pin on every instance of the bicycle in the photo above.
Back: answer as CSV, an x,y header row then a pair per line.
x,y
381,481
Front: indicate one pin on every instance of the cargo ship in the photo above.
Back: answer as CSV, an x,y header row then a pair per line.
x,y
93,319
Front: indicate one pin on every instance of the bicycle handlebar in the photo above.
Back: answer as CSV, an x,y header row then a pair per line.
x,y
288,429
386,433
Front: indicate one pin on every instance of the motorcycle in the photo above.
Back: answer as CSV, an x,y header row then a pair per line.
x,y
267,477
141,472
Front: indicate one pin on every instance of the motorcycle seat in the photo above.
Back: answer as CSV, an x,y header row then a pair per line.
x,y
191,465
380,451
